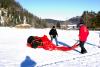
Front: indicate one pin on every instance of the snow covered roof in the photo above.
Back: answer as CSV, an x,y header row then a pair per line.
x,y
72,25
23,26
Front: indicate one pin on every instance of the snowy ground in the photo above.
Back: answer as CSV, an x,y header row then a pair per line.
x,y
15,53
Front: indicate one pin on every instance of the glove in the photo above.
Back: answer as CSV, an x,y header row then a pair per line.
x,y
51,35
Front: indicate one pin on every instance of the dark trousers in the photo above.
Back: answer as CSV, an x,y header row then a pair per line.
x,y
55,40
83,50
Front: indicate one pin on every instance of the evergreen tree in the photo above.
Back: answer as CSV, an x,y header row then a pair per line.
x,y
98,19
16,14
58,25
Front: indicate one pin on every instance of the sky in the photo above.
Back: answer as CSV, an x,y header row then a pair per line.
x,y
59,9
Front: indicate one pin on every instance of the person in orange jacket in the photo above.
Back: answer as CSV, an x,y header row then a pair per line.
x,y
83,34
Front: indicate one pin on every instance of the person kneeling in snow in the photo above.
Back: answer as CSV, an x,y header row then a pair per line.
x,y
53,34
83,34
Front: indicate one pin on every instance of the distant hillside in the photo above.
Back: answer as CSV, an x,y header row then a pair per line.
x,y
74,20
12,14
53,21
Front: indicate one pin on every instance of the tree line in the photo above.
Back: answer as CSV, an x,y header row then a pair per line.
x,y
91,19
12,14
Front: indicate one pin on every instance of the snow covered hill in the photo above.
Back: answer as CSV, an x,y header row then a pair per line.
x,y
15,53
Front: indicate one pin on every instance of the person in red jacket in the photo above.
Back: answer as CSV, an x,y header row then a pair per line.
x,y
83,34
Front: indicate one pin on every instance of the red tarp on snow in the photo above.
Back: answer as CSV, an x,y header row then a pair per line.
x,y
48,45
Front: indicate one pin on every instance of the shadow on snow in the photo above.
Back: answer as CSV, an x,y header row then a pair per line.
x,y
64,44
28,62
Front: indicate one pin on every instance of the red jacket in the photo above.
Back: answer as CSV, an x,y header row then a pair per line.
x,y
83,33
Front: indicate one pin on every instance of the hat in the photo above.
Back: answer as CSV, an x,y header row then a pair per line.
x,y
53,27
79,24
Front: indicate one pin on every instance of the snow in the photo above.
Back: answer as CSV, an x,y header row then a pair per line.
x,y
15,53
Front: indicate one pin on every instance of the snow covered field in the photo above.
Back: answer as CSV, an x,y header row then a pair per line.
x,y
15,53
